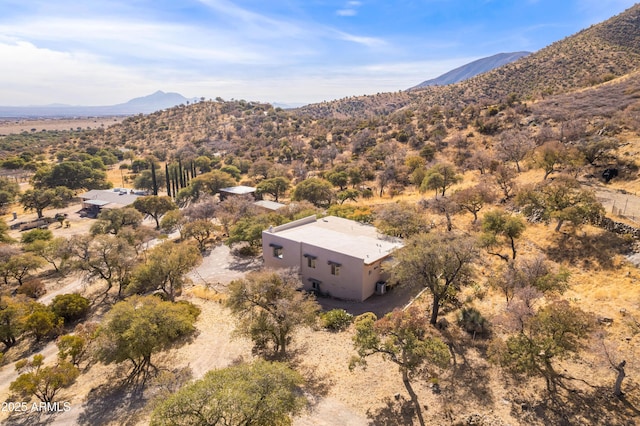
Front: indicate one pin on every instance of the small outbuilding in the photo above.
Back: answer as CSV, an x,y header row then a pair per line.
x,y
236,191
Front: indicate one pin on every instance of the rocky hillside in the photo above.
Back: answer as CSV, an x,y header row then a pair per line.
x,y
600,53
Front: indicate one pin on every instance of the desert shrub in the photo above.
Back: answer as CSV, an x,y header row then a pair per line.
x,y
42,322
70,307
336,319
36,235
33,288
472,321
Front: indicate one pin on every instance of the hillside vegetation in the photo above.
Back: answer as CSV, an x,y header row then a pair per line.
x,y
520,253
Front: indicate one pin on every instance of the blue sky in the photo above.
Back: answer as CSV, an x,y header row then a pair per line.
x,y
101,52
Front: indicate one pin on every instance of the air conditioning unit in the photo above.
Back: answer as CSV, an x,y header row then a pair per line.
x,y
381,287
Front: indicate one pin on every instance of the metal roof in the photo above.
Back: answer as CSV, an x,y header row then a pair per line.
x,y
239,190
121,197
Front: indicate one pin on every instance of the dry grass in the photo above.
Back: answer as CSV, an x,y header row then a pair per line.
x,y
207,293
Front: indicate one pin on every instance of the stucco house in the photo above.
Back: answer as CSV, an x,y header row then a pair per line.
x,y
335,256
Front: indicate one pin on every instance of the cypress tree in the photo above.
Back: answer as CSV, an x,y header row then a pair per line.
x,y
153,178
166,177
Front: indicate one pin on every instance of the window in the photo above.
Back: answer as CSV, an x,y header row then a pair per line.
x,y
277,250
311,260
315,284
335,268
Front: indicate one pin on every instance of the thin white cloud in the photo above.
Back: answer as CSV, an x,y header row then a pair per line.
x,y
351,9
363,40
346,12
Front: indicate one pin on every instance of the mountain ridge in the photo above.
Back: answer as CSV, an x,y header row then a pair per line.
x,y
140,105
472,69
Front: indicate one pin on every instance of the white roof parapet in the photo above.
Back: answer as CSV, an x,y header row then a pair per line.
x,y
339,235
294,224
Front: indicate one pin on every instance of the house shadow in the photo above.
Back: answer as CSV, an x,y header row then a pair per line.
x,y
380,304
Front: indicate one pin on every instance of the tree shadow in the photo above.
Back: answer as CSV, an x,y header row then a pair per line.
x,y
245,264
397,411
118,402
571,406
465,370
589,251
31,418
316,387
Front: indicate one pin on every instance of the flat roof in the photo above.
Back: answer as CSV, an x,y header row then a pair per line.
x,y
271,205
240,189
103,197
341,236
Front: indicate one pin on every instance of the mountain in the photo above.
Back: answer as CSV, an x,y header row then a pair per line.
x,y
472,69
590,57
142,105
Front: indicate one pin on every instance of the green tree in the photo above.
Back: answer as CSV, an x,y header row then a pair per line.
x,y
499,227
562,199
400,220
261,393
42,322
317,191
232,171
401,337
474,198
36,235
210,183
56,252
111,221
145,181
201,230
556,332
154,206
249,229
4,232
70,306
9,190
43,382
38,199
440,262
165,268
440,178
270,308
554,156
13,311
73,175
136,328
19,267
104,257
172,220
339,179
348,194
77,347
275,187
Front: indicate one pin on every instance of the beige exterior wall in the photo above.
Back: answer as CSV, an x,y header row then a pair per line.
x,y
290,251
355,279
348,284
